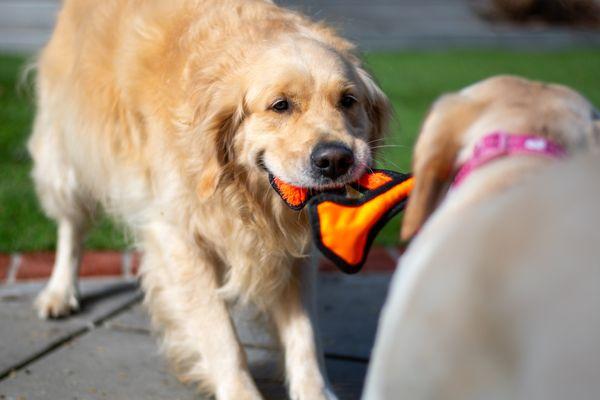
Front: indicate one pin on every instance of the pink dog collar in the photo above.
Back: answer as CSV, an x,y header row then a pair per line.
x,y
502,144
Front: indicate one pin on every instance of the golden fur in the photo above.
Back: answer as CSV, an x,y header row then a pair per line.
x,y
494,296
161,112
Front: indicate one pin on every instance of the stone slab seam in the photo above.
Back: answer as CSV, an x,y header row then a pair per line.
x,y
60,342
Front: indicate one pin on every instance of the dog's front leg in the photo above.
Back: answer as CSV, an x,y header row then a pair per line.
x,y
292,317
181,288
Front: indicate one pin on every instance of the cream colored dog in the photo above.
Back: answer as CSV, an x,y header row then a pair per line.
x,y
170,114
497,296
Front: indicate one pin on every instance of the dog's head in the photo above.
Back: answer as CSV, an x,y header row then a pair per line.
x,y
457,121
301,110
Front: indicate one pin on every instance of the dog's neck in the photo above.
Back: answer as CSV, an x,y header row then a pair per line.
x,y
499,145
498,162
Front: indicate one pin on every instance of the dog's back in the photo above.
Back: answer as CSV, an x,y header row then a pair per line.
x,y
109,90
505,305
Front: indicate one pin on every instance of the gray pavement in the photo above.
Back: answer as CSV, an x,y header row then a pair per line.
x,y
25,25
108,352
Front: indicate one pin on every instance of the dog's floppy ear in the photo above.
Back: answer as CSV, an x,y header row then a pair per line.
x,y
378,106
434,157
224,117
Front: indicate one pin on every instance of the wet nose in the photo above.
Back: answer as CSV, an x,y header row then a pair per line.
x,y
332,159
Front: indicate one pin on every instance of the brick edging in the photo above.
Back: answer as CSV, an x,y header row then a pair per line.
x,y
18,267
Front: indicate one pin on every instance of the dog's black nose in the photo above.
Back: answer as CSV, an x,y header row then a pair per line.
x,y
332,159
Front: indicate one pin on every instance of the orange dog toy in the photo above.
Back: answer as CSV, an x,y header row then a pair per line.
x,y
344,228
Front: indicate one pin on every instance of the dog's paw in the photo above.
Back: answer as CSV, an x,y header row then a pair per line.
x,y
53,303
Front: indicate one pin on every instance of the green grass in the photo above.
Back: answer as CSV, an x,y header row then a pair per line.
x,y
411,80
23,226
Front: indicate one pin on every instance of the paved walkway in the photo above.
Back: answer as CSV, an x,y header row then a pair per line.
x,y
107,351
375,25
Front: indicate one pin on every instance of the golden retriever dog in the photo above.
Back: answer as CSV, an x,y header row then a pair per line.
x,y
497,295
170,114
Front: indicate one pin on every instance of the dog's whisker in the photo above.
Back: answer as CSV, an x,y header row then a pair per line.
x,y
383,160
376,140
366,167
387,140
389,145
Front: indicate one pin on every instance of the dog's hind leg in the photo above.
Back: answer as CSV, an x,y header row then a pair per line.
x,y
62,199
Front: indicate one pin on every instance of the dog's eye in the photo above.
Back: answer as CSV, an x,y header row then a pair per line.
x,y
281,106
347,101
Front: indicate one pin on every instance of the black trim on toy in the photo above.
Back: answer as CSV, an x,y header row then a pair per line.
x,y
397,178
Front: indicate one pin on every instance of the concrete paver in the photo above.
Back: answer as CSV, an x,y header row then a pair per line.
x,y
251,327
24,336
104,364
117,365
348,304
80,358
349,311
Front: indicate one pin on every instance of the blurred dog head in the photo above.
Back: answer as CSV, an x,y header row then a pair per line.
x,y
457,121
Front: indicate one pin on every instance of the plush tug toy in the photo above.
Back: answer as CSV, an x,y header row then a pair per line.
x,y
344,227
